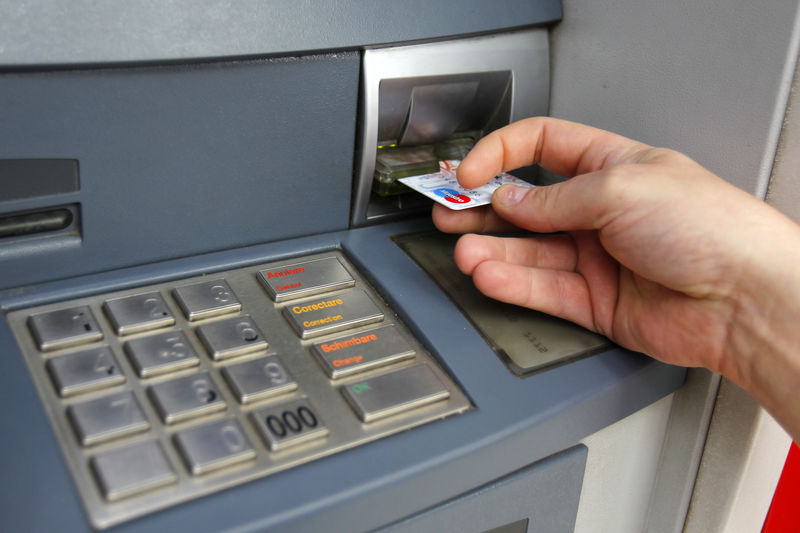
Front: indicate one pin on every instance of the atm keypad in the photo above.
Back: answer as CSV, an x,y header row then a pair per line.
x,y
172,391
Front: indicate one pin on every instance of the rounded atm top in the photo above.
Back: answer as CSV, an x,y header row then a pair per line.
x,y
84,32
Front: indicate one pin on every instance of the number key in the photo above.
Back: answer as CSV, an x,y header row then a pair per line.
x,y
124,472
162,353
208,299
262,378
232,337
289,424
66,327
140,312
214,446
185,398
107,418
84,371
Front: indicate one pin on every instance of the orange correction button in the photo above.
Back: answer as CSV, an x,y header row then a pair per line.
x,y
351,354
296,280
322,316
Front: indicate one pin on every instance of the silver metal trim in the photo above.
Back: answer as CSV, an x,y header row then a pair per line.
x,y
524,53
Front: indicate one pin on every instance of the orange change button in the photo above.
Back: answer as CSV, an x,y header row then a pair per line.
x,y
351,354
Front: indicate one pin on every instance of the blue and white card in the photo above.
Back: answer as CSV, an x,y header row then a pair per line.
x,y
443,187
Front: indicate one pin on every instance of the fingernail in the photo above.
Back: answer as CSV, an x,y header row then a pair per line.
x,y
510,194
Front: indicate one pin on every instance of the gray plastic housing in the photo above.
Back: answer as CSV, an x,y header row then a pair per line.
x,y
193,160
180,160
192,155
52,33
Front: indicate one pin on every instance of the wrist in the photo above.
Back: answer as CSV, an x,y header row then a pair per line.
x,y
762,353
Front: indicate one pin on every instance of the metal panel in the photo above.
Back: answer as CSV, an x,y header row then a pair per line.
x,y
524,53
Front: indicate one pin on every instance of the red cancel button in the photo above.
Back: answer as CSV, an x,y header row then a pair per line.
x,y
287,287
289,281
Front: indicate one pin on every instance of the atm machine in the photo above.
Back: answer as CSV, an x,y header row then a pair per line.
x,y
222,312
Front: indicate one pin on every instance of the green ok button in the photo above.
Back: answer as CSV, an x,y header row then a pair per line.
x,y
395,392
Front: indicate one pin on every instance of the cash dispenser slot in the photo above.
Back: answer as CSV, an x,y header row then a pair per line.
x,y
432,109
427,103
436,111
425,120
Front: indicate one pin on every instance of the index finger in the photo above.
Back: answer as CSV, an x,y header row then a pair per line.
x,y
566,148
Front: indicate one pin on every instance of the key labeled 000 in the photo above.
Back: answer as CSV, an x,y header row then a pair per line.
x,y
289,424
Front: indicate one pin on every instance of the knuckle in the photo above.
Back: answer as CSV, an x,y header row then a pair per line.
x,y
659,156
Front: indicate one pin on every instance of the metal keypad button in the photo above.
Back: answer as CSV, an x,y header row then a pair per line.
x,y
262,378
162,353
214,446
107,418
185,398
395,392
85,371
289,424
313,318
208,299
131,470
287,282
67,327
348,355
140,312
232,337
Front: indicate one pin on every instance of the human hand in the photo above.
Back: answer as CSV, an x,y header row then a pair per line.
x,y
659,254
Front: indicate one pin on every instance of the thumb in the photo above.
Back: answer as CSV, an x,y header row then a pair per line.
x,y
585,202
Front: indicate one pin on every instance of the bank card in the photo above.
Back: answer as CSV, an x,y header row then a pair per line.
x,y
443,187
